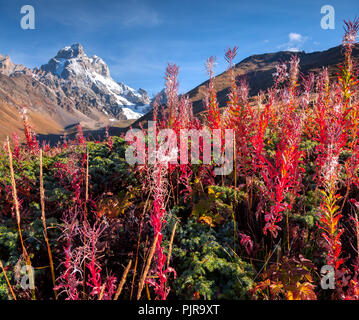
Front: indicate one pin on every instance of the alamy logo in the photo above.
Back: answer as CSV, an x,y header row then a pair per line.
x,y
26,277
327,277
328,20
217,147
28,20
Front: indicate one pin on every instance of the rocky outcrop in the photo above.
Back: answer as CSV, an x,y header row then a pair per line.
x,y
7,67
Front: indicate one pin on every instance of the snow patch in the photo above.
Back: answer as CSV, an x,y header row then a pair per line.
x,y
60,66
130,114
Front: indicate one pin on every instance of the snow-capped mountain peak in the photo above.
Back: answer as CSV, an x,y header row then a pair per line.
x,y
89,79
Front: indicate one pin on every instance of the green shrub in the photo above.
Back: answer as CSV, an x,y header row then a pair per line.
x,y
205,267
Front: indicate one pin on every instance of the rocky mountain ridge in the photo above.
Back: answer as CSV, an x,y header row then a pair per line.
x,y
88,82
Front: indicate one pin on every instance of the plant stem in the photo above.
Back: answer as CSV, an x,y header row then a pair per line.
x,y
123,280
17,210
138,243
148,265
42,201
7,280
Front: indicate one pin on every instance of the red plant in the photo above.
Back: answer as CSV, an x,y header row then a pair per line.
x,y
239,115
108,139
30,135
71,177
80,138
17,148
71,277
157,221
213,116
246,242
172,92
272,133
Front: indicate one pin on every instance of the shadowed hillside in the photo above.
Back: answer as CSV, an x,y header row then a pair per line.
x,y
259,69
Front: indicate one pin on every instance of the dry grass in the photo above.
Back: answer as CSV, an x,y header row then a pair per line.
x,y
7,280
147,268
171,243
18,217
42,200
123,280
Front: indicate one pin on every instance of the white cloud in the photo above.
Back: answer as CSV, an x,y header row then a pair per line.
x,y
295,42
295,37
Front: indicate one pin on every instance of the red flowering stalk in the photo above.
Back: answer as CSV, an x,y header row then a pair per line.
x,y
331,132
70,279
336,117
108,139
72,275
348,82
185,116
110,288
185,120
181,118
333,128
329,212
348,73
65,142
17,149
281,74
78,256
141,151
284,94
45,146
71,176
282,176
285,176
346,76
213,116
351,166
233,98
185,173
91,236
172,92
352,292
293,77
161,122
239,114
257,140
305,101
30,135
81,140
160,272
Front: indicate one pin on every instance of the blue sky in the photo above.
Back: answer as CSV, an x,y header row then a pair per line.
x,y
137,38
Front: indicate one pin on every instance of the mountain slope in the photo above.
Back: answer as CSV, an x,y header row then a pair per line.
x,y
14,94
71,88
258,70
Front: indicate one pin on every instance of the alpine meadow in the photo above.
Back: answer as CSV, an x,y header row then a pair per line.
x,y
245,187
